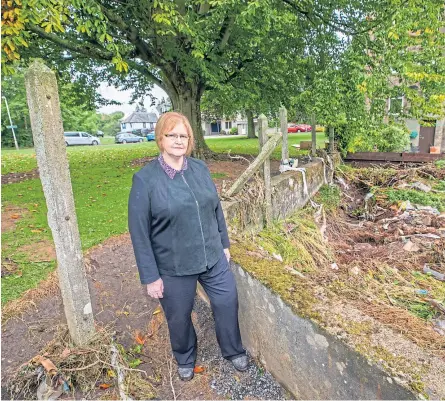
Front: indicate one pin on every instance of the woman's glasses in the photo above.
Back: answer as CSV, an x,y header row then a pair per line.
x,y
174,137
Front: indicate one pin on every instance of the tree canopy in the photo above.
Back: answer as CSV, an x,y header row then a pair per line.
x,y
189,47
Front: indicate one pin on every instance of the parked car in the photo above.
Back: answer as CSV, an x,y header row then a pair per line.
x,y
80,138
126,137
100,133
299,128
150,135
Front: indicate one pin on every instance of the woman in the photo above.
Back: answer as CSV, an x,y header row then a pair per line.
x,y
179,237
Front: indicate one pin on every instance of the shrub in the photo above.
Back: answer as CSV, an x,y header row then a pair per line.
x,y
390,138
393,138
234,131
222,132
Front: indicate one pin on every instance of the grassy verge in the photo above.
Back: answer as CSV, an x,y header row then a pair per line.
x,y
101,179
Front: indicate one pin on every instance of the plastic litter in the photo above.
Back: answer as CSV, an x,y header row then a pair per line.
x,y
434,273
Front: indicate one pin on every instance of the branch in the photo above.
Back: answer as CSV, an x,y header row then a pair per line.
x,y
91,51
237,71
146,72
339,26
226,30
132,35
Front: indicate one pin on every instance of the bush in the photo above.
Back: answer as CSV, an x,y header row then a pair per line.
x,y
393,138
389,138
234,131
223,132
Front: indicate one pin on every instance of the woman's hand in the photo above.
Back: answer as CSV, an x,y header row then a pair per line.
x,y
227,253
156,288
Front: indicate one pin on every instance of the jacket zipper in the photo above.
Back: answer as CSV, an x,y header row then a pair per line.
x,y
199,218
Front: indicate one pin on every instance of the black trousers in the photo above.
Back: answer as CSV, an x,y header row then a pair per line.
x,y
179,295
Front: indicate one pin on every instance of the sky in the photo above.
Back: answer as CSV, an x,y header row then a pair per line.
x,y
112,93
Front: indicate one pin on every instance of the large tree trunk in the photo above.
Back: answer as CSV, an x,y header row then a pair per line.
x,y
187,100
250,124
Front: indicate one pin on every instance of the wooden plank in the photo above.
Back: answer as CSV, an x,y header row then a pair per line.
x,y
266,151
305,145
394,157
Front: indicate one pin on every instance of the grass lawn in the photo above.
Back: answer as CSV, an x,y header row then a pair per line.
x,y
101,179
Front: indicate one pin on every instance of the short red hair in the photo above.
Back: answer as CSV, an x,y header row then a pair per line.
x,y
167,122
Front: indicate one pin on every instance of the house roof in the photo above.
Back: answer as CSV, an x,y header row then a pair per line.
x,y
141,116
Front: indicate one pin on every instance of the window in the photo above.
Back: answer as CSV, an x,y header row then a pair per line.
x,y
228,124
395,105
124,125
144,125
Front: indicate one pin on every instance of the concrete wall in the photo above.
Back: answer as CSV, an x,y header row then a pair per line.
x,y
288,188
309,362
439,134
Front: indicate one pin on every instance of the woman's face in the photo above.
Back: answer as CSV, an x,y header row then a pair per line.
x,y
175,141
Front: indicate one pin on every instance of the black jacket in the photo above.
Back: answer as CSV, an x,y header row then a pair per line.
x,y
177,225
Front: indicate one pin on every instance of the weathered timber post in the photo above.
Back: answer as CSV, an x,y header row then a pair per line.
x,y
254,166
283,126
331,140
263,126
47,131
314,136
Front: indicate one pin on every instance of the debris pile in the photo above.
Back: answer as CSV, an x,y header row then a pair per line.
x,y
390,250
98,370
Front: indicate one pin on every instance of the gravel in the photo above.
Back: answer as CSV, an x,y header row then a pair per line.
x,y
255,383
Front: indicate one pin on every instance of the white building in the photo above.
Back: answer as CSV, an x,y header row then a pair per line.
x,y
139,119
217,126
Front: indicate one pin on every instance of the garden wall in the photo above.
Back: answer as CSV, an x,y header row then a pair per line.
x,y
304,358
288,194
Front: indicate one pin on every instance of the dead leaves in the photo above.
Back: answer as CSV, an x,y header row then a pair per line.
x,y
139,338
199,369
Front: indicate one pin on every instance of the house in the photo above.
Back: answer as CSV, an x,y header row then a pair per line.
x,y
424,133
139,119
217,126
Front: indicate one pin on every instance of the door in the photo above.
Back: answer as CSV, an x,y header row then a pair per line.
x,y
426,138
215,128
85,139
77,140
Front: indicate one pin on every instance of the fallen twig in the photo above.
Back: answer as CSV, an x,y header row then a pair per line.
x,y
170,373
436,304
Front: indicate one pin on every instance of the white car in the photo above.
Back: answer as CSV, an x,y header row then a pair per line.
x,y
80,138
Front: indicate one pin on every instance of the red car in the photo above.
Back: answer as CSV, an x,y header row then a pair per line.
x,y
299,128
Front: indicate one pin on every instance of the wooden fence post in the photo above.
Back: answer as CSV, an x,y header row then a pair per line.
x,y
331,140
263,126
283,126
254,166
314,135
47,131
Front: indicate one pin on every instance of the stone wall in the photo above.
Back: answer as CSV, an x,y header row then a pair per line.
x,y
288,195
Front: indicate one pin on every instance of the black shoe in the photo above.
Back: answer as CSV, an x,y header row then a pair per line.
x,y
241,363
186,374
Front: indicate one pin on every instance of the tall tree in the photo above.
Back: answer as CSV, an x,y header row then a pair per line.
x,y
187,47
